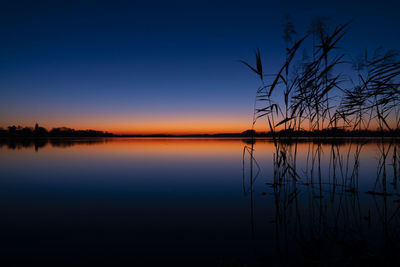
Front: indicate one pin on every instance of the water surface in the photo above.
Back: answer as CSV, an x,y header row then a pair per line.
x,y
213,202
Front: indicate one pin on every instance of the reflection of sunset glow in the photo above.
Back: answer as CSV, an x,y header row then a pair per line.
x,y
162,147
170,148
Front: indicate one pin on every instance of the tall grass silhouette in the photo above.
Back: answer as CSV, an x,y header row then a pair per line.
x,y
318,213
311,93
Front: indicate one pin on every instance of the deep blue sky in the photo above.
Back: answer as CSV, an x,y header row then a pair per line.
x,y
124,67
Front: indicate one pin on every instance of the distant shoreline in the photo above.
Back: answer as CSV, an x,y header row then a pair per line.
x,y
293,138
64,132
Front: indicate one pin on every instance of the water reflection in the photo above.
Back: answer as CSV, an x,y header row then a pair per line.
x,y
325,213
208,202
38,143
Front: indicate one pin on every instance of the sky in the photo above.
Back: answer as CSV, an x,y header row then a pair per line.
x,y
126,68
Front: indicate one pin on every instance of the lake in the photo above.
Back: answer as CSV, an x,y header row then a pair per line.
x,y
209,202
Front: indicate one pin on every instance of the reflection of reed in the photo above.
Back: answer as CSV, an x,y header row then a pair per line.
x,y
248,189
348,227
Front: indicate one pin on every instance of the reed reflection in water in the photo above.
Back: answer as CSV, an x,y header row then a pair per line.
x,y
335,203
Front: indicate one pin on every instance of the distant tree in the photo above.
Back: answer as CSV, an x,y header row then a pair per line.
x,y
40,131
12,129
3,132
249,133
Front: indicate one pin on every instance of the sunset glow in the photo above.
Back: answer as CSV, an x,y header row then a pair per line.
x,y
131,70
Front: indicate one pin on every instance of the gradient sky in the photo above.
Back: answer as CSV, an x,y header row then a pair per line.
x,y
125,68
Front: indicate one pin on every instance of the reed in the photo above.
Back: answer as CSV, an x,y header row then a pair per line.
x,y
312,94
315,95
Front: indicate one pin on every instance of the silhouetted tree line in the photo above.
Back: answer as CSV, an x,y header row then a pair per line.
x,y
37,131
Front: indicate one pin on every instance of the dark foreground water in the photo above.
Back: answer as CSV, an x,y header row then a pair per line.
x,y
208,202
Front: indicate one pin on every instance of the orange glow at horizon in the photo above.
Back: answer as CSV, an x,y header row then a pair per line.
x,y
147,124
171,127
183,124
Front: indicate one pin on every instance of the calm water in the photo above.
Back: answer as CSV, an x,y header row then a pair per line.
x,y
210,202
